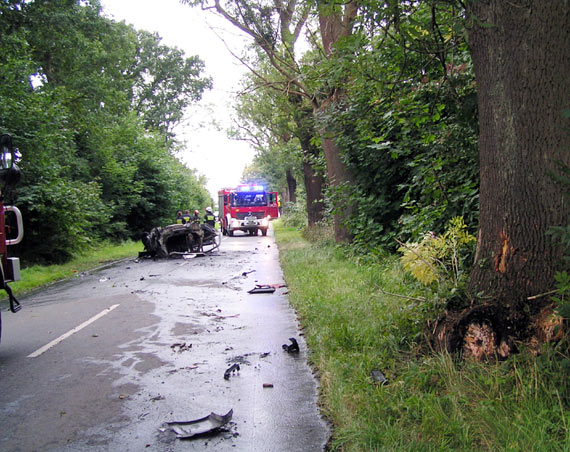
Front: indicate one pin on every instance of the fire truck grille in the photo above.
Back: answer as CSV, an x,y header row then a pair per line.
x,y
242,215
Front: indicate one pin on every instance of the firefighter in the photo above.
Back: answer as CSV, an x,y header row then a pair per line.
x,y
210,218
196,217
186,217
179,218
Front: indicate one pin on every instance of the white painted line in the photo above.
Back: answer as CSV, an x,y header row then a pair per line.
x,y
46,347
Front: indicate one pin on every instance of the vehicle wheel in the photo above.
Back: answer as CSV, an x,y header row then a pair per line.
x,y
264,232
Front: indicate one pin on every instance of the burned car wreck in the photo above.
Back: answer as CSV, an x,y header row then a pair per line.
x,y
180,240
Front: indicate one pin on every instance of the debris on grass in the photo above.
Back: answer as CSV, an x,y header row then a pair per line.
x,y
378,377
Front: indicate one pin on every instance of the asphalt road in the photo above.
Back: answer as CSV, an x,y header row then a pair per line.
x,y
101,362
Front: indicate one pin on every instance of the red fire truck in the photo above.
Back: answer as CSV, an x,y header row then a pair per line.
x,y
9,176
247,208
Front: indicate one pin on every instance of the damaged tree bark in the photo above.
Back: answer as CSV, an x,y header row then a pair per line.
x,y
520,52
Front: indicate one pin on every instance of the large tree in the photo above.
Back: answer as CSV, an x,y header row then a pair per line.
x,y
165,83
336,20
263,123
275,26
521,55
91,169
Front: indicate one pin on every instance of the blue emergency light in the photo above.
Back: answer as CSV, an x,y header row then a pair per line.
x,y
251,188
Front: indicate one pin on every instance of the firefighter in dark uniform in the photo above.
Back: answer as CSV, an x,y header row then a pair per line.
x,y
186,217
209,218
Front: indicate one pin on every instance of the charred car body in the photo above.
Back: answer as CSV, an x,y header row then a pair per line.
x,y
179,240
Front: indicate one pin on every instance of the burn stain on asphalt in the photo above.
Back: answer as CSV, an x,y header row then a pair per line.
x,y
147,362
186,329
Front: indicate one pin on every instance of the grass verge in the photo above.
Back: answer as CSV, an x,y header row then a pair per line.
x,y
431,402
38,275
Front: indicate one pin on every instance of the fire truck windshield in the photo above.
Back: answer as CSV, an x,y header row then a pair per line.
x,y
249,199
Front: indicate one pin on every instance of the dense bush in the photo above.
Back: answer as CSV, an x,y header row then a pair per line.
x,y
98,162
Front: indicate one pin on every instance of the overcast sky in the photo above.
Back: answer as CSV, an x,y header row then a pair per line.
x,y
207,149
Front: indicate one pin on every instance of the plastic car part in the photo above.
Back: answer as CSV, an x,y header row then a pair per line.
x,y
293,347
210,423
228,372
263,288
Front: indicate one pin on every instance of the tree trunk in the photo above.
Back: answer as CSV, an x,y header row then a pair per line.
x,y
340,181
313,180
336,22
520,52
291,186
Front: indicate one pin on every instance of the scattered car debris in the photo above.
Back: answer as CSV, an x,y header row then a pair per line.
x,y
241,359
191,367
188,255
378,377
267,385
262,288
222,317
157,398
210,423
264,355
247,273
293,347
181,347
233,368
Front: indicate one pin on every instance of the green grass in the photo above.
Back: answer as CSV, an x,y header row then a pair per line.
x,y
38,276
432,402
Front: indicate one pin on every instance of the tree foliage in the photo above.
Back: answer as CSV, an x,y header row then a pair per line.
x,y
91,104
405,124
398,91
165,83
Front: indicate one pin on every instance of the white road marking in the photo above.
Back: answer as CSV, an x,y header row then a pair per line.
x,y
46,347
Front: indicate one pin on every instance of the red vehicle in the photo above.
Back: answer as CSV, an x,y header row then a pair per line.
x,y
247,208
9,266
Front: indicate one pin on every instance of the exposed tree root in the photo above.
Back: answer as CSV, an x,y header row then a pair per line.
x,y
488,332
